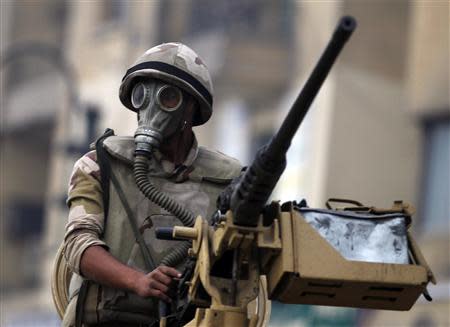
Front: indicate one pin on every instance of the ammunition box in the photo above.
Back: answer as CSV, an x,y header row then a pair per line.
x,y
310,271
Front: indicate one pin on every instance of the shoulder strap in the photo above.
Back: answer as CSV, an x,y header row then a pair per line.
x,y
105,172
148,260
107,175
82,294
105,168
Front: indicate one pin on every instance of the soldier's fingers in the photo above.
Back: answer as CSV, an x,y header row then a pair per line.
x,y
154,284
170,271
161,277
161,295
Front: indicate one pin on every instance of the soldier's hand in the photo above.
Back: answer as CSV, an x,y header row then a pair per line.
x,y
156,283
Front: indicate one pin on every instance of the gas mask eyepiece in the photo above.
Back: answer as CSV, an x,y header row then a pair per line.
x,y
140,96
168,98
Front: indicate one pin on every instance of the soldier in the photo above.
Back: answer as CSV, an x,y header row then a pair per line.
x,y
110,237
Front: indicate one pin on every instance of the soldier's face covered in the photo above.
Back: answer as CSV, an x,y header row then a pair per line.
x,y
161,109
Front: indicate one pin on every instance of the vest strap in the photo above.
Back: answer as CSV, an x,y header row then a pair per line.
x,y
105,168
79,310
132,220
106,176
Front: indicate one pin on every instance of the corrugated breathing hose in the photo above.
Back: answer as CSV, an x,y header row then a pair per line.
x,y
186,217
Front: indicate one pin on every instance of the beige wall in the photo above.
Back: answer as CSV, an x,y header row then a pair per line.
x,y
374,155
312,35
367,137
366,146
428,60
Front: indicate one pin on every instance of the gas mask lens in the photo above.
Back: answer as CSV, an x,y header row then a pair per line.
x,y
139,95
169,98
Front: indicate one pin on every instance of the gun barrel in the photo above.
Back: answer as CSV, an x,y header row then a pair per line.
x,y
258,182
282,140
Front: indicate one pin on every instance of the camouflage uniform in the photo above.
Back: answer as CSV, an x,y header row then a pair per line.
x,y
195,184
86,220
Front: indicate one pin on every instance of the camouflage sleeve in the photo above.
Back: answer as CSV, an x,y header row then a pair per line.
x,y
86,219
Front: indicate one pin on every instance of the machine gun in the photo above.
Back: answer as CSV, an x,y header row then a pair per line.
x,y
253,239
258,182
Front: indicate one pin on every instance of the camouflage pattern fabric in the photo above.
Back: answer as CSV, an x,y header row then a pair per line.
x,y
86,219
196,183
187,71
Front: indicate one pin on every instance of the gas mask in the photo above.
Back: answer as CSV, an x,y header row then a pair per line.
x,y
160,108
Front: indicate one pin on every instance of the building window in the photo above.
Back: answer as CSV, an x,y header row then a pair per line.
x,y
436,176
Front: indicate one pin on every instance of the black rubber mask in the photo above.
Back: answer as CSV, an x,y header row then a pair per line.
x,y
161,109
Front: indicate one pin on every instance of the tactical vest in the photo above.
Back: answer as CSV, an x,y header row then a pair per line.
x,y
212,171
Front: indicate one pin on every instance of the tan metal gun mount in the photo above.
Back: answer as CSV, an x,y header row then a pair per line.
x,y
228,297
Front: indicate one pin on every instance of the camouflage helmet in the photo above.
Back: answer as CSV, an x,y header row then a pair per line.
x,y
179,65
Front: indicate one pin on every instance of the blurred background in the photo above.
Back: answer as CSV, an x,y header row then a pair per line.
x,y
378,131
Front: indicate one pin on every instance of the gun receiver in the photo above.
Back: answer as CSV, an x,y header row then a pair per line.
x,y
256,185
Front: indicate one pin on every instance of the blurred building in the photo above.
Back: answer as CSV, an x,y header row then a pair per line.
x,y
35,87
378,131
62,63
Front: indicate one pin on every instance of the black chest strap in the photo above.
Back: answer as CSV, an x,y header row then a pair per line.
x,y
105,168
